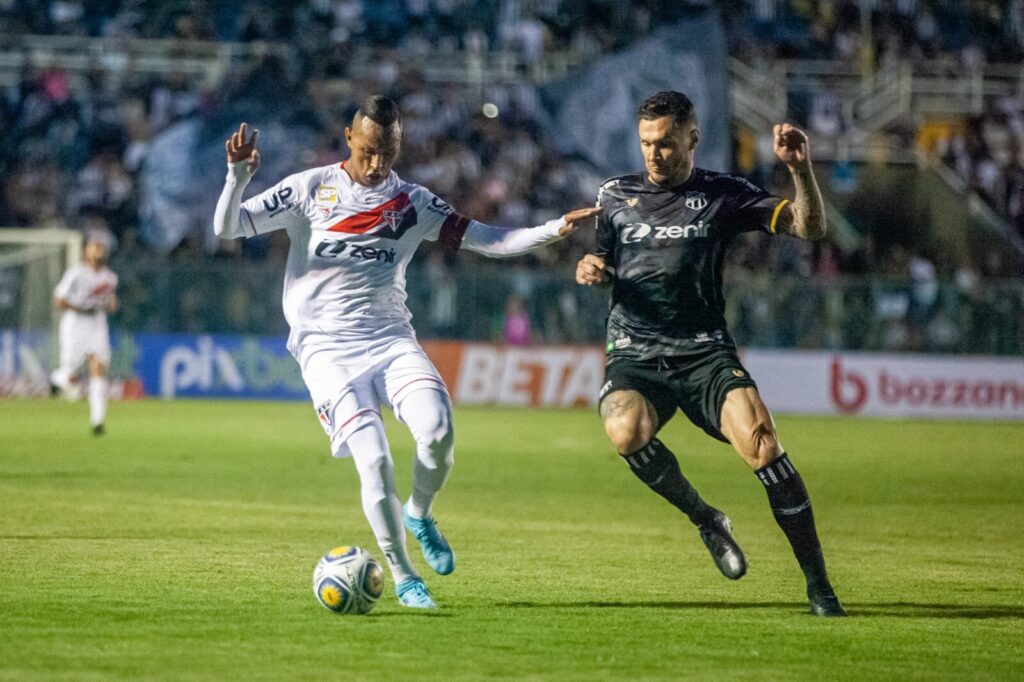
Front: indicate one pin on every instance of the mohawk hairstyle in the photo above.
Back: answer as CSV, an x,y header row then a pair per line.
x,y
381,110
667,103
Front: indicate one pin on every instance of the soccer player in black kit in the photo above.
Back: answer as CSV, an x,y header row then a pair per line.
x,y
661,244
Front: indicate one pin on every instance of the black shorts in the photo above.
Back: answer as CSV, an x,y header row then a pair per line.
x,y
696,383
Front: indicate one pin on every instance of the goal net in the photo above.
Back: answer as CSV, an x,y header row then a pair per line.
x,y
31,263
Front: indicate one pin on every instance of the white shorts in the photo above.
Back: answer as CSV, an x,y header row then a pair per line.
x,y
82,336
349,383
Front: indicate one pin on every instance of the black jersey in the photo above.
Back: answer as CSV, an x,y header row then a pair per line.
x,y
666,248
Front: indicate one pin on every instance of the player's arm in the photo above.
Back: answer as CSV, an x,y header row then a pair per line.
x,y
593,268
805,216
112,302
502,242
62,294
63,304
243,161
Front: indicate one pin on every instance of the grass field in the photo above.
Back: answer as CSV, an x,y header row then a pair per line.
x,y
181,546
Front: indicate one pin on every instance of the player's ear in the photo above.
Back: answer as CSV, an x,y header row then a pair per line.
x,y
348,137
694,138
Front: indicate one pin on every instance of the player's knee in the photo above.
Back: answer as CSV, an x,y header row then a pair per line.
x,y
764,443
436,434
629,433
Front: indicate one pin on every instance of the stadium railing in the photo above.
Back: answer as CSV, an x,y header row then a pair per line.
x,y
469,302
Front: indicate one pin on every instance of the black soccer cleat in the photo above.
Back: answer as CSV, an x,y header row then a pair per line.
x,y
54,390
98,430
728,556
824,601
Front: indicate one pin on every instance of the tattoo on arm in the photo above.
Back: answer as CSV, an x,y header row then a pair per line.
x,y
808,215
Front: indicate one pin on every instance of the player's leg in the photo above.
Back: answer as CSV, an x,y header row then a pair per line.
x,y
427,413
420,400
347,406
72,355
747,423
99,390
631,421
368,447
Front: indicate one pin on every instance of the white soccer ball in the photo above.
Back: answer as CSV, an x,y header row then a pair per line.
x,y
348,580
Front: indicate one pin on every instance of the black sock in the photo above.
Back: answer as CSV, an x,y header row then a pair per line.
x,y
655,465
791,507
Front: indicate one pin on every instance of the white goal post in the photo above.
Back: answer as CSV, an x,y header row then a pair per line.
x,y
32,261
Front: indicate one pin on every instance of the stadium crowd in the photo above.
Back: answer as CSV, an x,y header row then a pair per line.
x,y
988,154
74,151
877,32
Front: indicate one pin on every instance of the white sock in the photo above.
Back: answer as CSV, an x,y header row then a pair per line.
x,y
99,387
383,509
428,414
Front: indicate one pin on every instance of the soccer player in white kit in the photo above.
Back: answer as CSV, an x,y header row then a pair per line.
x,y
86,294
354,227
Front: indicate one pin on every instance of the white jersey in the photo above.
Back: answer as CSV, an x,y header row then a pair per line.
x,y
85,333
350,247
88,289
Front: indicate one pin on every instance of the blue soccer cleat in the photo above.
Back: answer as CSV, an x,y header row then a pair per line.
x,y
436,549
414,594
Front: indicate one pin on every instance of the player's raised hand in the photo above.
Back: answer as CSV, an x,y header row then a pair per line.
x,y
791,146
241,148
591,270
573,218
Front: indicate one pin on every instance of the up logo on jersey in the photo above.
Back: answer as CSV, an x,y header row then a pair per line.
x,y
637,232
279,201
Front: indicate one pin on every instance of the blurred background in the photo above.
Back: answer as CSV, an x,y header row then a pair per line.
x,y
114,115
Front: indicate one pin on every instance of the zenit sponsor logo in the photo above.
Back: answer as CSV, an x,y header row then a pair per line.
x,y
637,232
336,248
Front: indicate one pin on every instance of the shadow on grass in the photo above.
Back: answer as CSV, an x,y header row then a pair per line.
x,y
900,609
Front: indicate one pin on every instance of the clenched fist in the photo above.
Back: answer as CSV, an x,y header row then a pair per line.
x,y
591,270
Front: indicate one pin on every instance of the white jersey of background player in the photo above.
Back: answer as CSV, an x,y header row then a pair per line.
x,y
86,294
354,227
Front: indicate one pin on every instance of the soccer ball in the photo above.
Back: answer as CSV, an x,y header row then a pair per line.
x,y
348,580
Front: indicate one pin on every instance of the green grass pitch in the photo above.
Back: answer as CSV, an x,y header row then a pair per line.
x,y
181,546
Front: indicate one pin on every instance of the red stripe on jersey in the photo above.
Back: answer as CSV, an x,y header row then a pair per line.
x,y
101,289
361,223
451,232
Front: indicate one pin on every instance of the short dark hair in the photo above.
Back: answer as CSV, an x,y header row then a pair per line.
x,y
667,103
381,110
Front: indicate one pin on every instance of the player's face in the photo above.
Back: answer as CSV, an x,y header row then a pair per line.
x,y
95,253
374,150
668,149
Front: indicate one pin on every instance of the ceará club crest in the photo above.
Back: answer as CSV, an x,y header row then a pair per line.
x,y
696,201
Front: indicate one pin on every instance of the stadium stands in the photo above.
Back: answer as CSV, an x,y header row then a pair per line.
x,y
80,123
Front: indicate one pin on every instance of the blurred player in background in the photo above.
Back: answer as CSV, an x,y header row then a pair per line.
x,y
86,294
661,244
354,227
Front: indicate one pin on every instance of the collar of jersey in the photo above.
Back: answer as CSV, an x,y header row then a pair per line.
x,y
384,188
